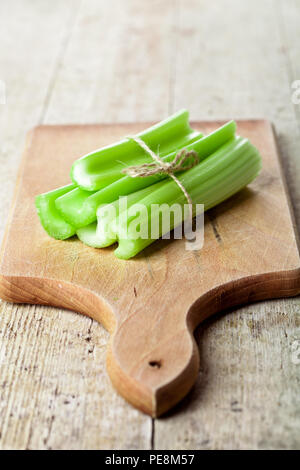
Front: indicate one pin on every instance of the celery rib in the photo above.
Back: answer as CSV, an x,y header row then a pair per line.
x,y
79,207
220,176
102,167
99,235
89,207
51,220
231,174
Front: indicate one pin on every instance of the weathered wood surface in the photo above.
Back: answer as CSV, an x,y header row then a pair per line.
x,y
87,72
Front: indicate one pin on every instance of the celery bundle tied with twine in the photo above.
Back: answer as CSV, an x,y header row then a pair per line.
x,y
167,168
209,169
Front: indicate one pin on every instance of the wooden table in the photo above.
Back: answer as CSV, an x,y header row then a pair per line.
x,y
85,61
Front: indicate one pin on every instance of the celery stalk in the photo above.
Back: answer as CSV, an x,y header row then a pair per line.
x,y
50,218
218,177
79,207
102,167
102,233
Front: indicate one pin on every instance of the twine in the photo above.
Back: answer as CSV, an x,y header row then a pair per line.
x,y
167,168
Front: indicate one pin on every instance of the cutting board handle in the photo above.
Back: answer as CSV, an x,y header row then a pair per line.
x,y
154,369
151,370
152,364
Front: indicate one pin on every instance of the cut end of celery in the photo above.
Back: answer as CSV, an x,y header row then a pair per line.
x,y
81,177
51,220
89,236
126,249
73,208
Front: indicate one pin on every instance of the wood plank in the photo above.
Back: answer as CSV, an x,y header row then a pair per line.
x,y
85,84
288,23
118,66
244,74
241,72
94,88
27,72
55,393
247,392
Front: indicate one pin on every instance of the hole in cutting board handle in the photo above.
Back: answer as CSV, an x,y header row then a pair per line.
x,y
155,364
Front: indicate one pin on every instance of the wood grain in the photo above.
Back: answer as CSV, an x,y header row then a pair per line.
x,y
27,77
247,389
254,64
250,253
32,83
255,60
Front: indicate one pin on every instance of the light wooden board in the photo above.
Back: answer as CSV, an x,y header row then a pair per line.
x,y
151,304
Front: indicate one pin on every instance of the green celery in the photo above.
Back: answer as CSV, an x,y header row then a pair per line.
x,y
218,177
50,218
102,167
79,207
102,233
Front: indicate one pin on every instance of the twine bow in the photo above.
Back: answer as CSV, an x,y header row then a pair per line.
x,y
160,166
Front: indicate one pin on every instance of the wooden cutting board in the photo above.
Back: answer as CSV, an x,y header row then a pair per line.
x,y
152,303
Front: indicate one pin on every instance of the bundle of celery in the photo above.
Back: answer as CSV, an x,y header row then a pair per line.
x,y
227,163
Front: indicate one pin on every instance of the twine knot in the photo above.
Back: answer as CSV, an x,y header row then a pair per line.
x,y
160,166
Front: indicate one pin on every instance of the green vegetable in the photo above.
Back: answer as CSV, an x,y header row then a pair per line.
x,y
215,179
103,233
50,218
102,167
79,207
227,164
